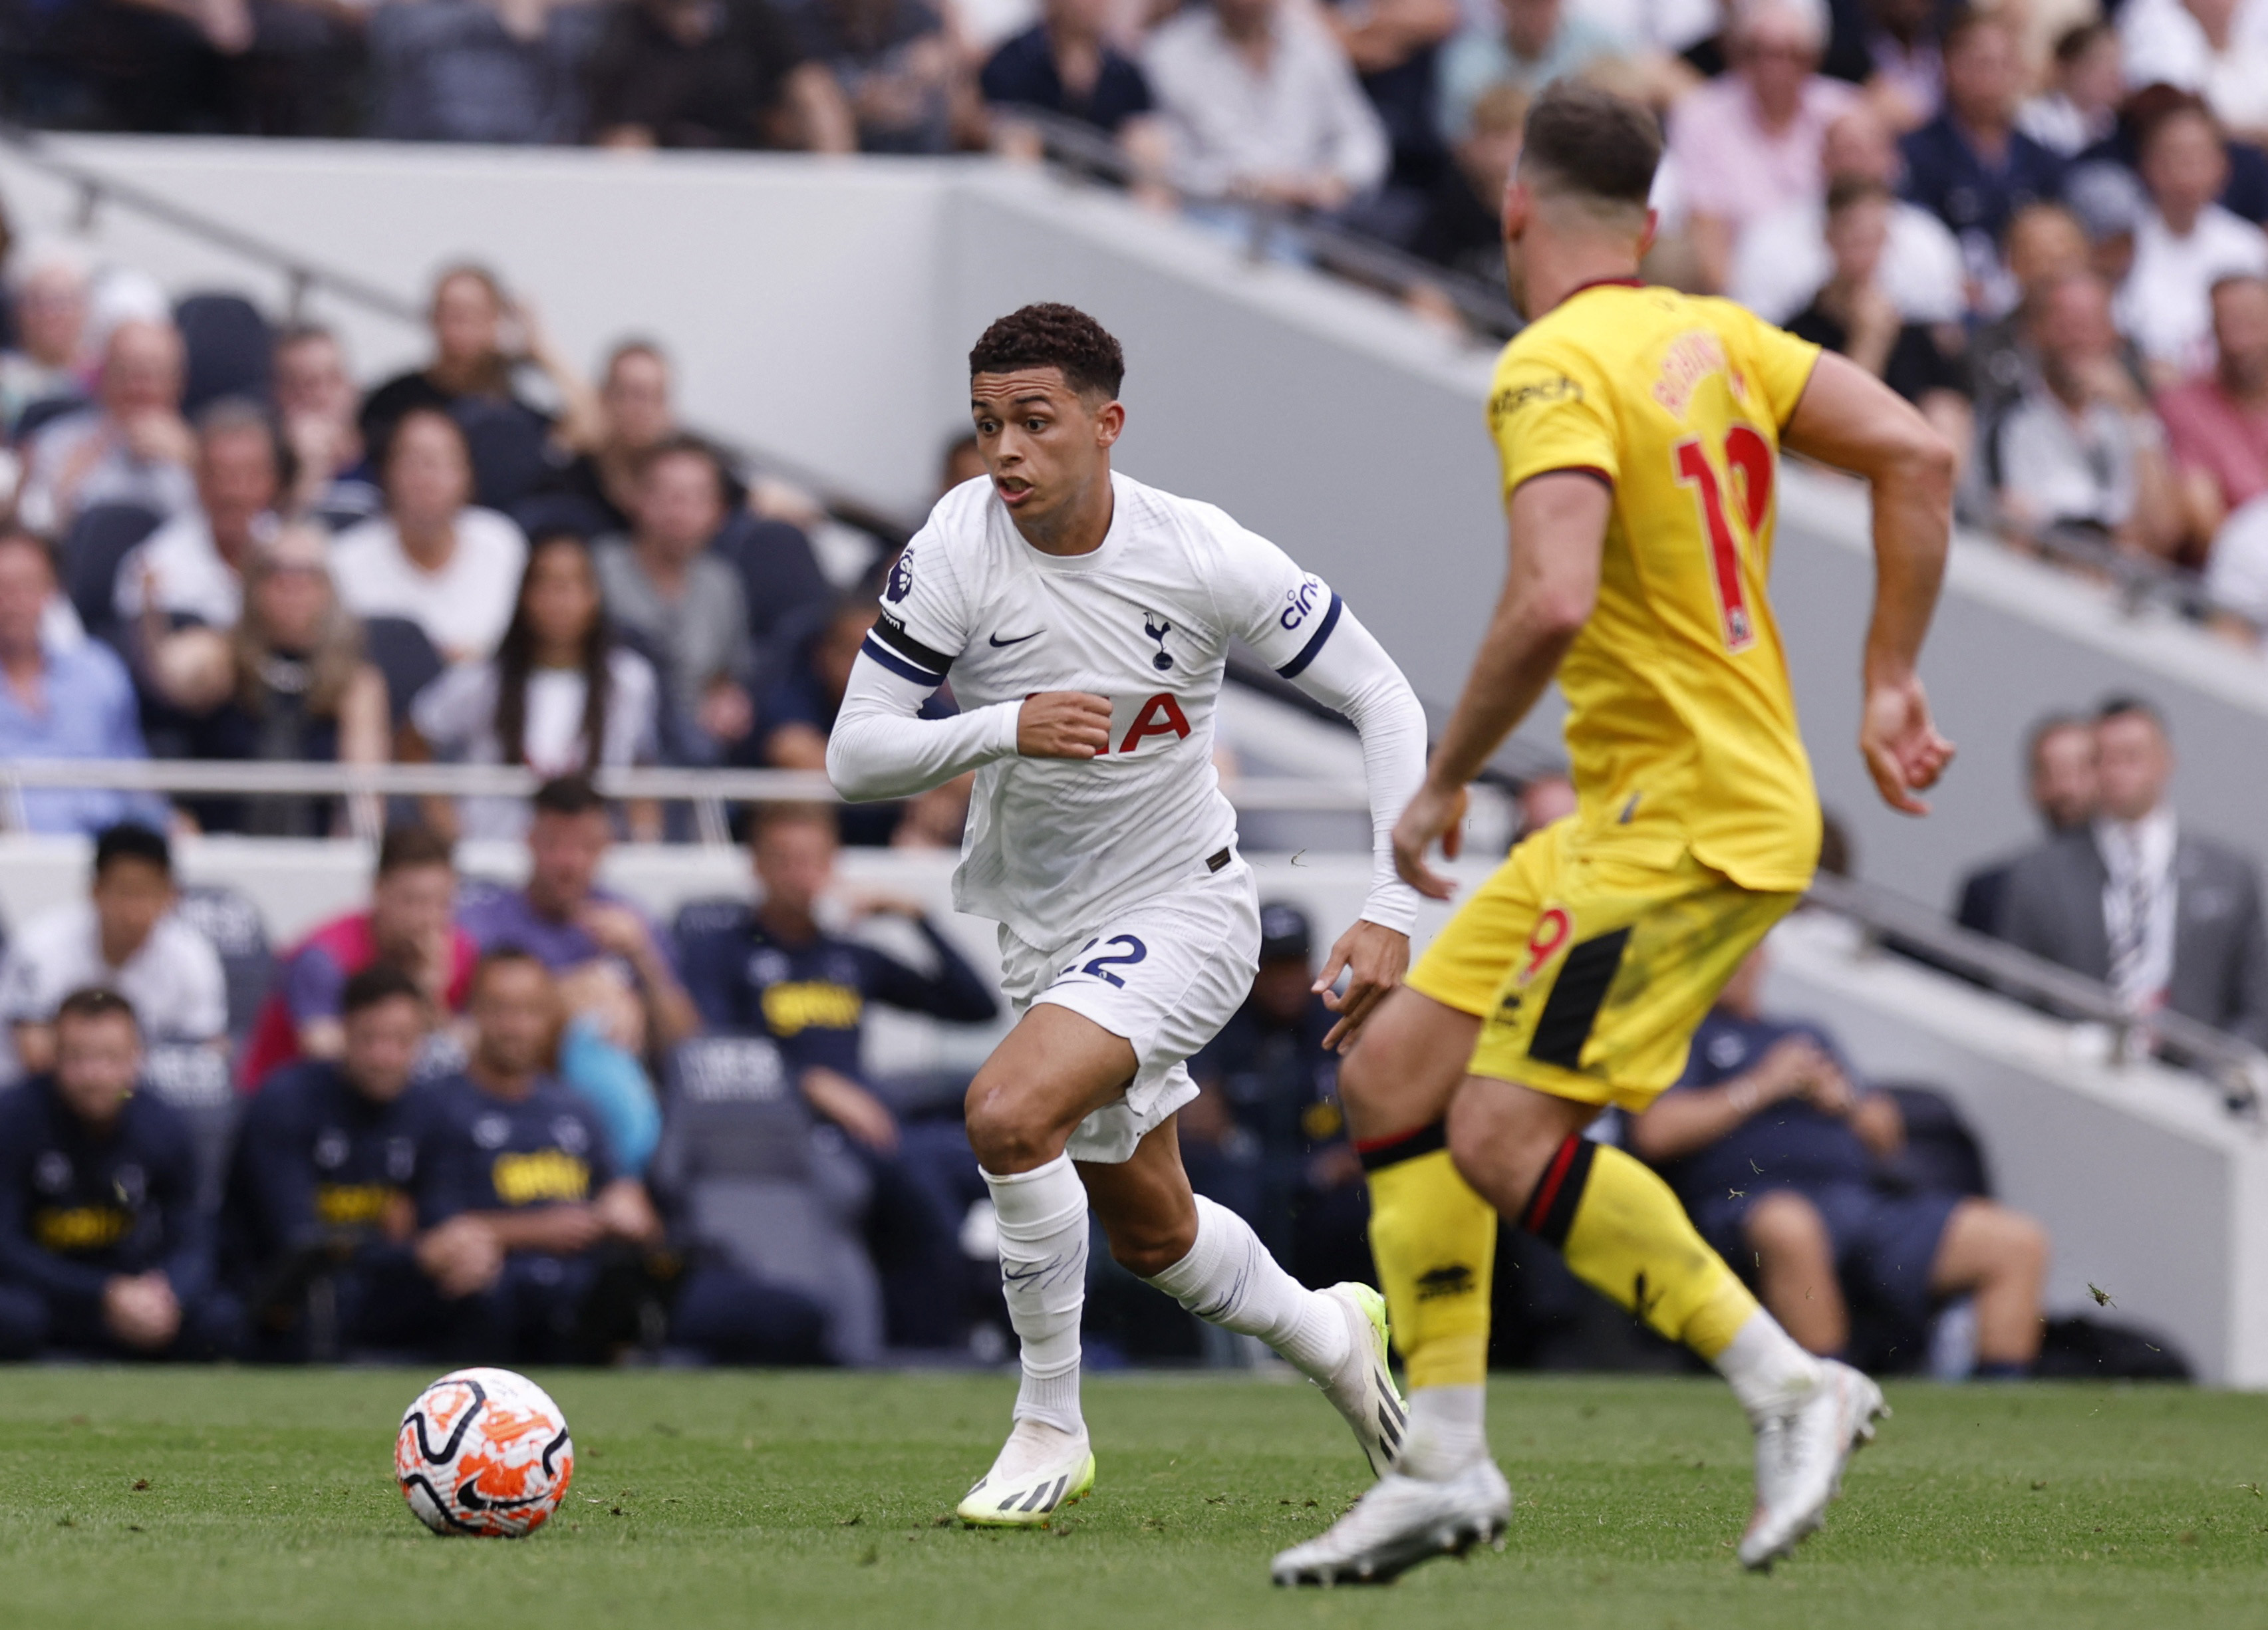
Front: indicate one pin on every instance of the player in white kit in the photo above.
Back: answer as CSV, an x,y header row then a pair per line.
x,y
1085,620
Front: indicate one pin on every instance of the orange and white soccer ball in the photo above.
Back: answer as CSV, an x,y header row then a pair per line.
x,y
483,1452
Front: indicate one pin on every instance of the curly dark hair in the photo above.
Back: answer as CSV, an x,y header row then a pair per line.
x,y
1051,335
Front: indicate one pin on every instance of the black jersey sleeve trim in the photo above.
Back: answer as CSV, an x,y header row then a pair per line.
x,y
1298,665
899,665
891,631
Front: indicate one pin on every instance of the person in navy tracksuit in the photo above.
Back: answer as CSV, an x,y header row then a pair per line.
x,y
103,1248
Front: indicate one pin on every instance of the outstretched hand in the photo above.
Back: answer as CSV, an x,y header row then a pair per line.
x,y
1903,751
1374,957
1432,814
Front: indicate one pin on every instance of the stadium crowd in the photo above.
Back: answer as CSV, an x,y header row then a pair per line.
x,y
2039,220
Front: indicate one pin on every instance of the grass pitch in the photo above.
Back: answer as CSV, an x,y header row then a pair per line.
x,y
246,1498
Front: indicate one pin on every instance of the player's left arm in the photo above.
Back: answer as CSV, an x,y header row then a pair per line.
x,y
1304,630
1558,531
1848,418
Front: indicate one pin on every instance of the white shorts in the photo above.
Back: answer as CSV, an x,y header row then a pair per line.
x,y
1165,974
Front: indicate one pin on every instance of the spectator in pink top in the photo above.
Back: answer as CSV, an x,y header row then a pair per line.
x,y
1747,144
2217,424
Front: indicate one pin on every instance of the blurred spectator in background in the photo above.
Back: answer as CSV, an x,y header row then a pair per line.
x,y
1905,80
131,446
1749,143
290,683
192,567
2079,107
1778,1156
434,557
681,601
104,1249
2215,49
1265,1136
1462,226
1262,105
2217,422
1970,166
636,414
2044,245
480,70
480,337
782,974
897,70
1853,315
48,288
525,1211
605,950
1528,44
2184,245
2079,449
409,926
324,1179
62,699
1782,257
1067,64
2059,782
964,461
1545,799
316,399
1394,47
2165,918
559,694
124,937
712,73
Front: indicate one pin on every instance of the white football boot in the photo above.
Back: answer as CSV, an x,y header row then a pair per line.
x,y
1363,1389
1801,1449
1040,1470
1400,1523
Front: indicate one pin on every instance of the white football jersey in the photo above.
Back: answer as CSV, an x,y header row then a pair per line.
x,y
1053,844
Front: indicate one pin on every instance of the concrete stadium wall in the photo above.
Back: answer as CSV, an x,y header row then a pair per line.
x,y
2149,1189
822,311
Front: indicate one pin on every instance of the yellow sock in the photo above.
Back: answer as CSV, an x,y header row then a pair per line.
x,y
1624,1235
1434,1240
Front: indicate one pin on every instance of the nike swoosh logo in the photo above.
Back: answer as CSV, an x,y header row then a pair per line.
x,y
1020,639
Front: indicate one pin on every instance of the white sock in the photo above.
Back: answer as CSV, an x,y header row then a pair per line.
x,y
1228,1278
1448,1432
1043,1220
1765,1366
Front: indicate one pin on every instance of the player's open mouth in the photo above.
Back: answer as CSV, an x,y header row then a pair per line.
x,y
1012,491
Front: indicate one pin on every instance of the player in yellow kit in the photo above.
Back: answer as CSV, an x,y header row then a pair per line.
x,y
1639,430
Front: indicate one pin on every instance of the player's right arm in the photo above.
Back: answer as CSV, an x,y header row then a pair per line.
x,y
1848,418
1558,532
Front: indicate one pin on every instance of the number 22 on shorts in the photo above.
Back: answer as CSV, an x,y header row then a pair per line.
x,y
1122,950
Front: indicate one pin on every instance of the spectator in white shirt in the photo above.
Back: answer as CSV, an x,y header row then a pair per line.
x,y
2185,244
1750,142
2079,107
123,937
131,447
1262,104
48,285
1783,257
193,567
433,557
2080,447
2217,49
560,695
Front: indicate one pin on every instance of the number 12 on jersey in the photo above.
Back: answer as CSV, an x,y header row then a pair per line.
x,y
1749,456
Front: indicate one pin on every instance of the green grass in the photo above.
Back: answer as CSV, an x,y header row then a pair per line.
x,y
766,1499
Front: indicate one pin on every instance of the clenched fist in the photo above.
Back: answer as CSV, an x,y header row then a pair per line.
x,y
1063,724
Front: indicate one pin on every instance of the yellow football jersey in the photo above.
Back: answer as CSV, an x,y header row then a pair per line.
x,y
1682,725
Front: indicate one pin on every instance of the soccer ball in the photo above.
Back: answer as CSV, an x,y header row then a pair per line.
x,y
483,1452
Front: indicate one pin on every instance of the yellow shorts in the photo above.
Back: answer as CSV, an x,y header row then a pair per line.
x,y
1590,963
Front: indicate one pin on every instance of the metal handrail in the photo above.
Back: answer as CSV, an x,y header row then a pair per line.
x,y
1894,922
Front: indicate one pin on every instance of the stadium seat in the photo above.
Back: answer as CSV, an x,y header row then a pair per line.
x,y
96,545
753,1179
404,653
194,1078
38,414
228,918
229,349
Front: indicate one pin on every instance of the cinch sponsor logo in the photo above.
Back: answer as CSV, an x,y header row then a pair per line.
x,y
352,1205
809,1004
546,1176
79,1228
